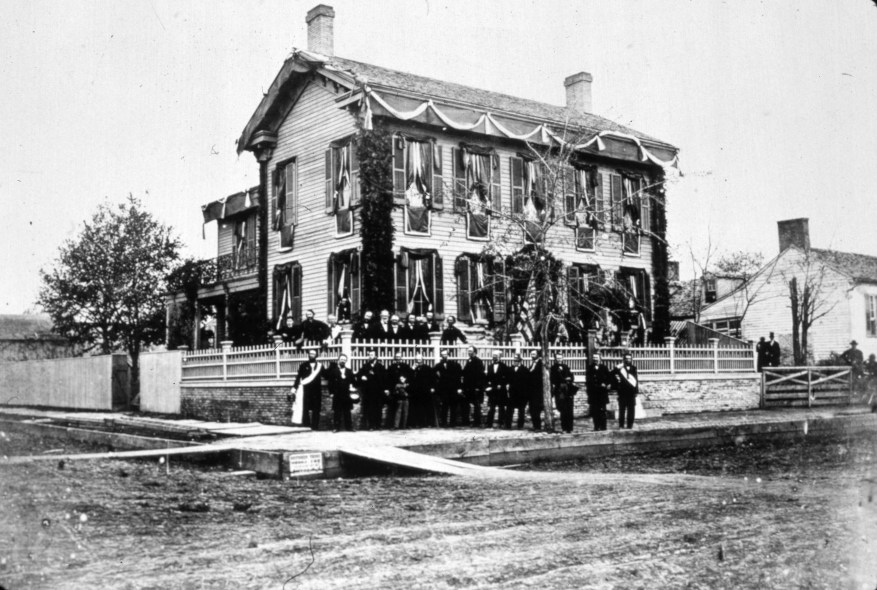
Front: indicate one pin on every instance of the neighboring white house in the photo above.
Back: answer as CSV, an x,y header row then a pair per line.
x,y
843,287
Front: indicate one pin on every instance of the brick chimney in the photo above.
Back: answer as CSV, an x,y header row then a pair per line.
x,y
578,92
794,232
321,30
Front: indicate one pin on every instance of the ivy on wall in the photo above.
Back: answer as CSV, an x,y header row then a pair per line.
x,y
375,153
661,317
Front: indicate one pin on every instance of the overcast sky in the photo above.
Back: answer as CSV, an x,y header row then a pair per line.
x,y
770,103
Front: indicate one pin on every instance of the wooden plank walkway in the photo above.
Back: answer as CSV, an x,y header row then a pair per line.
x,y
412,460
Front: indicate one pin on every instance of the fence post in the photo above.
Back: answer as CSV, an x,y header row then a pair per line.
x,y
435,341
278,342
714,342
809,388
670,341
226,348
347,342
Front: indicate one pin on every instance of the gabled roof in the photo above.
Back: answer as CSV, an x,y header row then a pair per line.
x,y
859,267
27,327
351,74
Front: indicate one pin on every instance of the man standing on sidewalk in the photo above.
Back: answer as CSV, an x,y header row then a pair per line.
x,y
628,387
341,379
473,388
308,385
563,389
597,381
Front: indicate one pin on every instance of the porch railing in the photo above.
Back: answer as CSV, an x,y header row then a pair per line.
x,y
281,360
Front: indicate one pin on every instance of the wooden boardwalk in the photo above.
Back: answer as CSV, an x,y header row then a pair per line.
x,y
421,462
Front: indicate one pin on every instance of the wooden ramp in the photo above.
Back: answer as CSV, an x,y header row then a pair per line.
x,y
412,460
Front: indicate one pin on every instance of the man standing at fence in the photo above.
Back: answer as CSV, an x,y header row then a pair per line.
x,y
773,352
534,389
762,354
372,377
308,386
395,373
497,391
473,389
597,379
362,328
448,388
627,382
563,389
518,392
423,403
340,378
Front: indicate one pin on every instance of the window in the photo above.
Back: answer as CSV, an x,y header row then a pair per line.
x,y
630,210
710,290
244,243
581,278
419,285
480,289
417,165
728,327
530,197
871,315
476,188
287,292
583,204
342,184
344,284
635,282
285,202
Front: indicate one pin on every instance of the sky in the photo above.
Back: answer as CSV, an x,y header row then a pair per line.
x,y
770,103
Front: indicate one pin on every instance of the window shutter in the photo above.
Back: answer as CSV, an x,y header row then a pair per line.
x,y
355,292
438,188
571,194
645,209
647,296
495,184
332,302
517,174
401,285
398,170
330,189
573,291
459,181
499,315
296,292
617,198
463,288
354,175
595,179
439,306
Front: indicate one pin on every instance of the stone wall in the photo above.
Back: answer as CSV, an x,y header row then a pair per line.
x,y
679,394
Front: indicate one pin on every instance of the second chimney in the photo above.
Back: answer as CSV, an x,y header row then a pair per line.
x,y
578,92
794,232
321,30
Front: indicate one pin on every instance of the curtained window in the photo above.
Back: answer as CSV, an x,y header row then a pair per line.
x,y
344,293
244,243
637,285
630,210
582,205
342,184
581,280
285,202
417,164
419,286
287,293
477,188
530,198
480,289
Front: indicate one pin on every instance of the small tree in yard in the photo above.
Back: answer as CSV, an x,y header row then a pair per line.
x,y
808,302
106,289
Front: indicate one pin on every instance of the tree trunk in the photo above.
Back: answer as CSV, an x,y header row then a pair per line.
x,y
805,322
134,353
546,378
796,318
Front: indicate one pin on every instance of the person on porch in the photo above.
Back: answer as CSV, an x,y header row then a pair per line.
x,y
497,391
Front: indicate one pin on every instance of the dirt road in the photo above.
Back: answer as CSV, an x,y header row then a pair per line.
x,y
794,516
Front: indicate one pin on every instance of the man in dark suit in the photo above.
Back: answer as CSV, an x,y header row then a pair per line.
x,y
380,331
395,372
627,383
372,377
397,332
774,353
312,330
563,388
452,333
308,384
448,388
534,388
341,379
420,331
497,383
762,354
431,322
362,329
423,410
473,389
518,391
597,380
290,333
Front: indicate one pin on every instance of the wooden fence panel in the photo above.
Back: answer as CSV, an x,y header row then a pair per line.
x,y
83,383
160,374
805,386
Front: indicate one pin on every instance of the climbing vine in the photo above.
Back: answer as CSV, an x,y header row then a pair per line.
x,y
661,318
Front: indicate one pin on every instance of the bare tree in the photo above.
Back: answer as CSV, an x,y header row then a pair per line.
x,y
808,301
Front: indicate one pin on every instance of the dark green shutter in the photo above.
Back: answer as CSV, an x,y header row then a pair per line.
x,y
296,292
355,292
499,302
617,199
331,302
573,291
401,286
354,174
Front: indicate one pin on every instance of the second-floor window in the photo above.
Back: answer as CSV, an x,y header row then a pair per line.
x,y
244,243
583,205
342,184
419,284
871,315
530,196
417,181
630,210
285,216
476,188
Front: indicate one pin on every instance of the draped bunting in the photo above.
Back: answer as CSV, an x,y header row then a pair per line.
x,y
285,301
417,193
540,132
419,288
479,176
343,192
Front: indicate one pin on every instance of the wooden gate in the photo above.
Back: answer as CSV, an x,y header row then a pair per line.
x,y
805,386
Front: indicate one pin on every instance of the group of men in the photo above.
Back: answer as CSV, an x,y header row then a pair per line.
x,y
449,393
767,353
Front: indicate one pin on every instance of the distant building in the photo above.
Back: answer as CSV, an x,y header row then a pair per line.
x,y
845,286
30,337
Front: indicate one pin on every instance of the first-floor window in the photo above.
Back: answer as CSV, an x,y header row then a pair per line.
x,y
580,279
637,286
344,284
728,327
480,289
419,282
287,292
871,315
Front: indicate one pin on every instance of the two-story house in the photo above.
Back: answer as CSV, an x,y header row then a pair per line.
x,y
458,157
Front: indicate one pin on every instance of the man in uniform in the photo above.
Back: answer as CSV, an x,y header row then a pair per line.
x,y
563,389
856,360
448,388
497,391
597,379
627,382
308,385
473,388
773,352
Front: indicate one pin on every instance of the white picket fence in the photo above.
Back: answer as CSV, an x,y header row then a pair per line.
x,y
281,361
